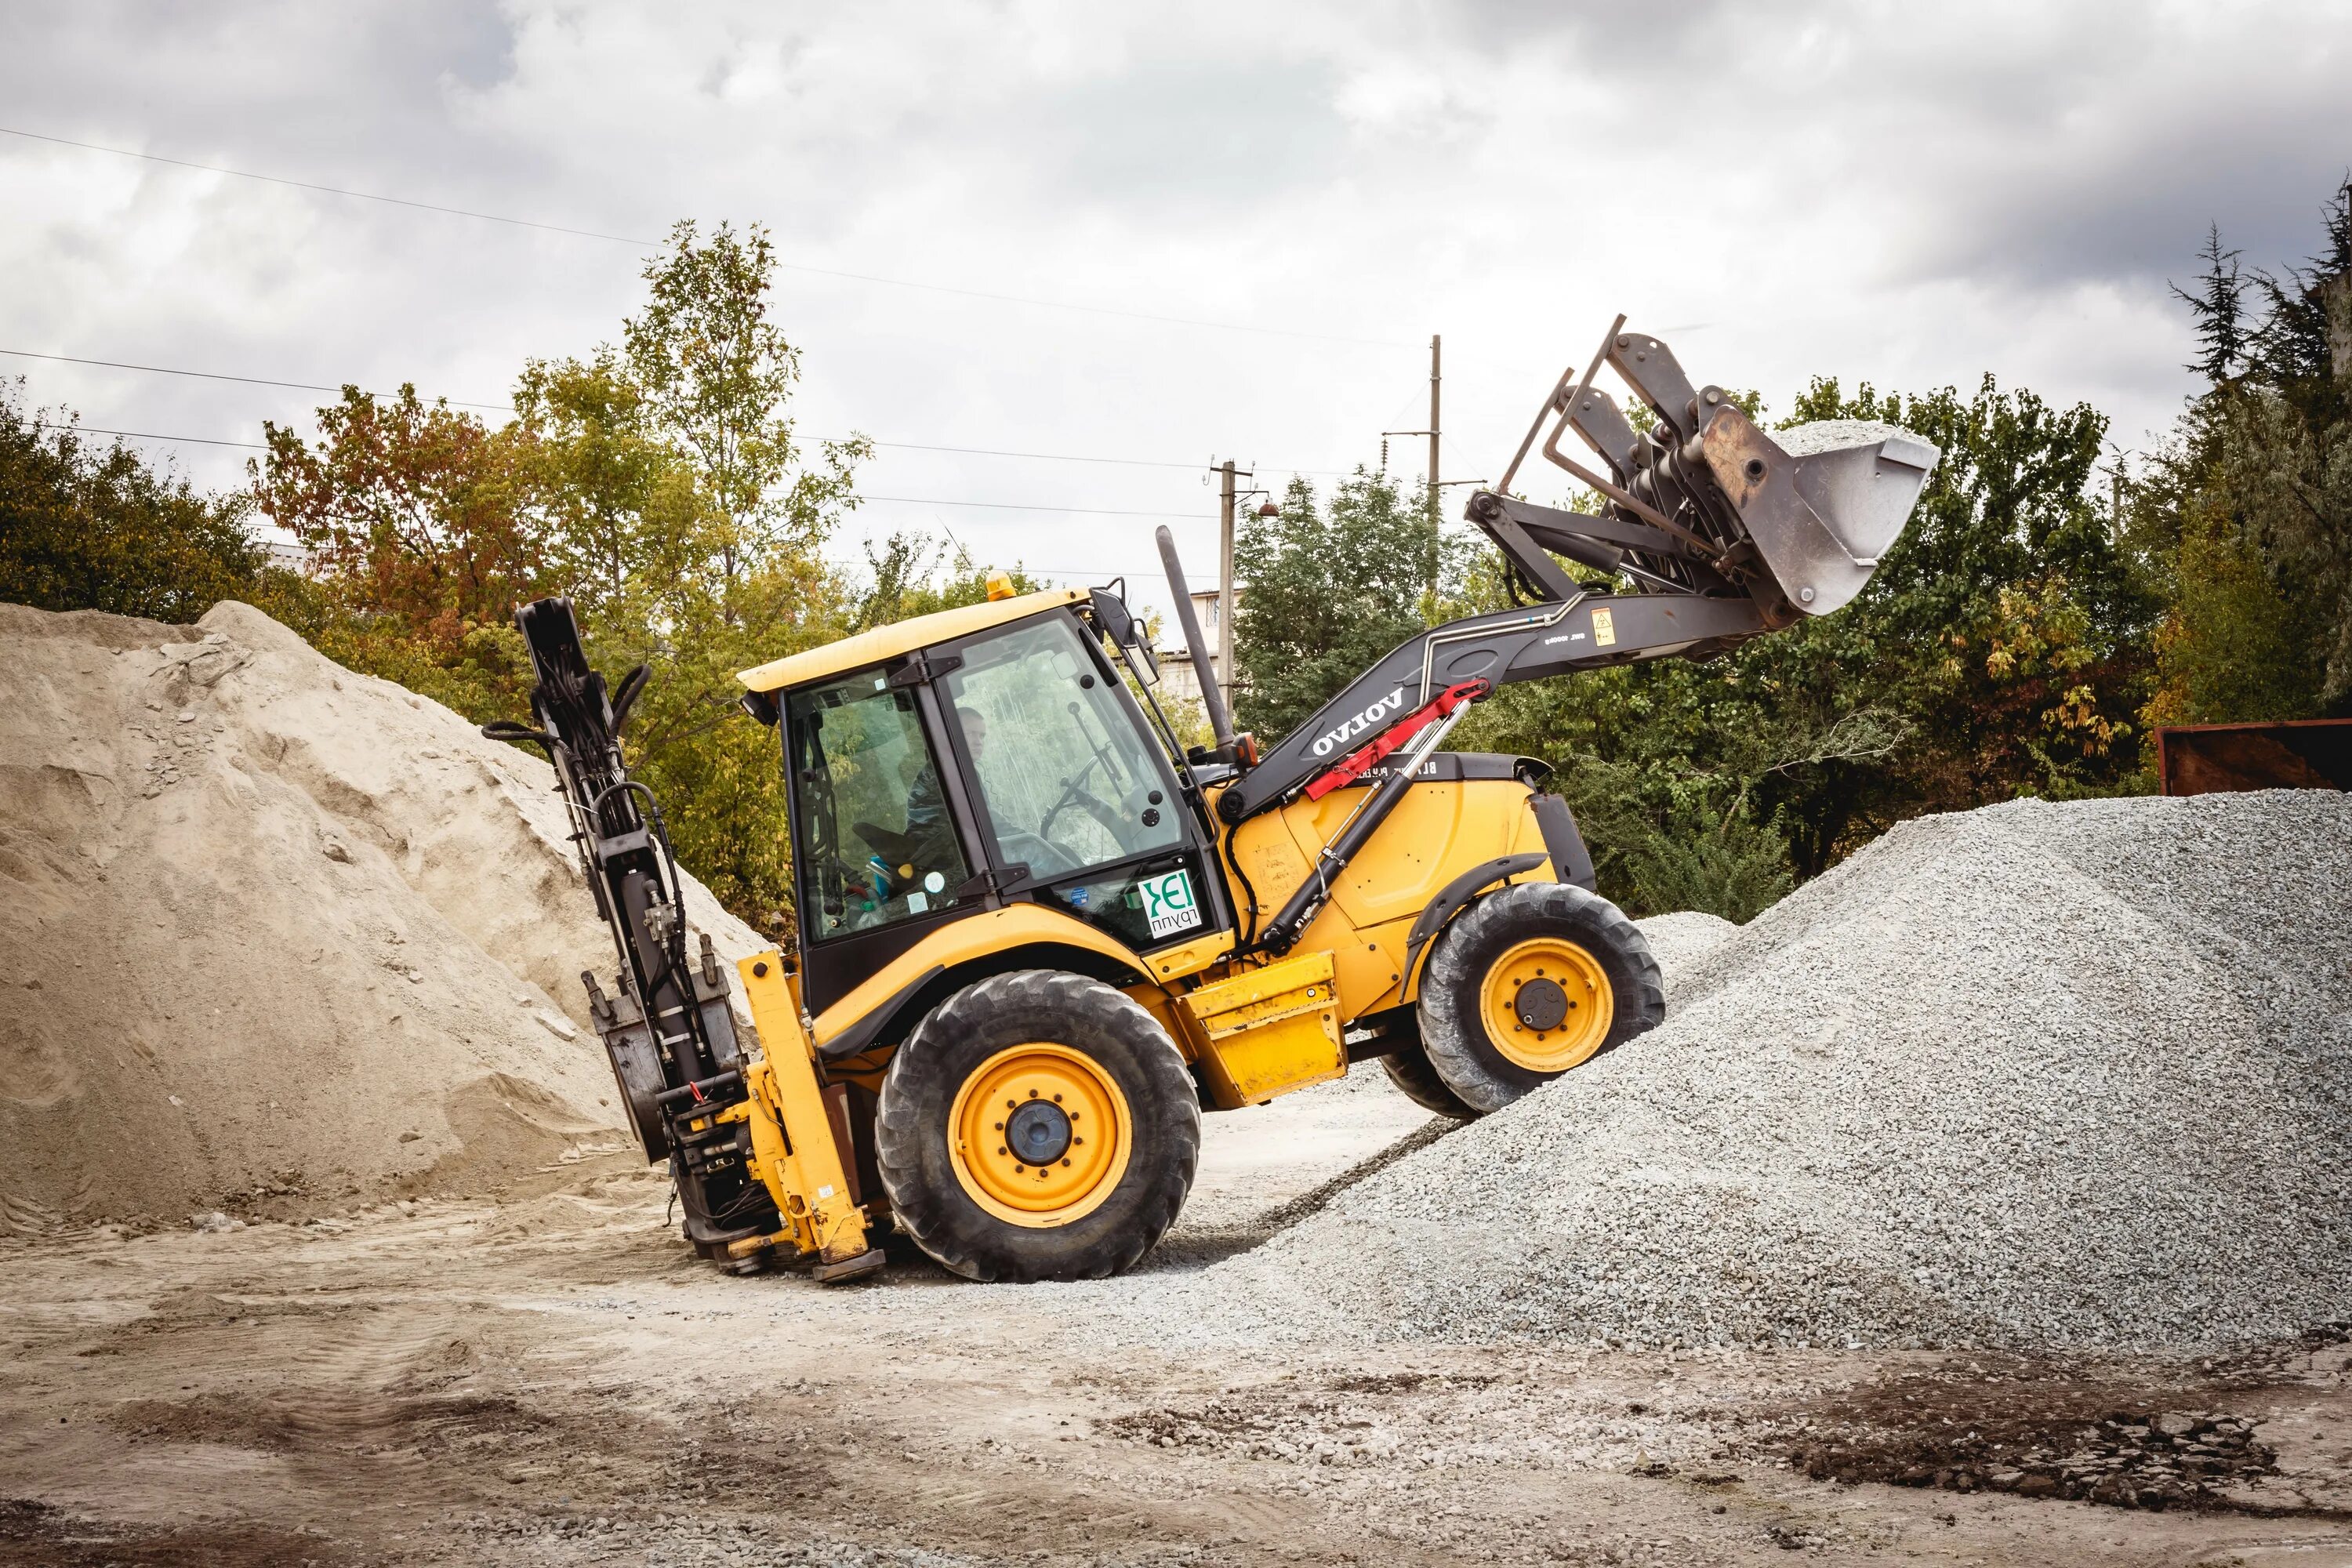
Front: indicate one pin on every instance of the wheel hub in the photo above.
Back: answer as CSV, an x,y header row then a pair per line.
x,y
1546,1004
1037,1132
1541,1005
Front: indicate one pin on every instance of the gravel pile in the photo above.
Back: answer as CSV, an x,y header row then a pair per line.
x,y
2033,1076
1682,943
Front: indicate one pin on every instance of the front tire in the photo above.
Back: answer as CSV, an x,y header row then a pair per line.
x,y
1038,1125
1532,981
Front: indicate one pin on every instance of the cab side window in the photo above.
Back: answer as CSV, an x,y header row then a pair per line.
x,y
876,841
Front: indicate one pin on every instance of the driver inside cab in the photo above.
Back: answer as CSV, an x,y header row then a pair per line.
x,y
931,830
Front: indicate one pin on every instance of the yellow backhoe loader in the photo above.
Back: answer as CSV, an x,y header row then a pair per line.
x,y
1038,937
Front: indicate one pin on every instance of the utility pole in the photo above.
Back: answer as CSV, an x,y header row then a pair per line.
x,y
1436,490
1436,485
1434,344
1225,581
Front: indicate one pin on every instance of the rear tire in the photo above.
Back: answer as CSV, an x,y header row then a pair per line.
x,y
1407,1066
1094,1084
1529,983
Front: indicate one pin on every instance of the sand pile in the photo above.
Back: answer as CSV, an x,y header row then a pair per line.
x,y
272,930
2035,1075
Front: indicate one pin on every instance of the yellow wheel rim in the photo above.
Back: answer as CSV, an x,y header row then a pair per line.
x,y
1546,1004
1039,1135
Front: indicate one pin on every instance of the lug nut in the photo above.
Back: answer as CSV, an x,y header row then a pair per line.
x,y
1057,1099
1000,1127
1065,1162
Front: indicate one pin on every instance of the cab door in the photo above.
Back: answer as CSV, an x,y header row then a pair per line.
x,y
1075,800
882,839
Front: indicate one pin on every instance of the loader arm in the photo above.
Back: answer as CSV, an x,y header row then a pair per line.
x,y
1722,533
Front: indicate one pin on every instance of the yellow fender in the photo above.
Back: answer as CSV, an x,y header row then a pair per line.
x,y
865,1009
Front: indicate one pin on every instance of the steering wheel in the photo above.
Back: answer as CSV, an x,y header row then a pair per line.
x,y
1075,793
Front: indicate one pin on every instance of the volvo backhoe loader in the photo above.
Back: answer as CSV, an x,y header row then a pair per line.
x,y
1038,937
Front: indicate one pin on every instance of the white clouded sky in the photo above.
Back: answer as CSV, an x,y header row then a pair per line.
x,y
1911,195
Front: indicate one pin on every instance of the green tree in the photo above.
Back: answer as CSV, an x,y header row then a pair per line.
x,y
85,527
2245,514
1329,590
716,375
2217,307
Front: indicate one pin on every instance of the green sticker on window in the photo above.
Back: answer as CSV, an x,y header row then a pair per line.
x,y
1168,903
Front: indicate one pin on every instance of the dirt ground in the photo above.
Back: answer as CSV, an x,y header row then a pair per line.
x,y
554,1379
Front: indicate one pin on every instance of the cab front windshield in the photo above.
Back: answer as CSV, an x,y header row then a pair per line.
x,y
1066,779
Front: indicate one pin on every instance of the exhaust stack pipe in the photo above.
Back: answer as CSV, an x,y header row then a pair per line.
x,y
1221,723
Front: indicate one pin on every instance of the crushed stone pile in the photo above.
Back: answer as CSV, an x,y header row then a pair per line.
x,y
1681,943
2034,1076
275,933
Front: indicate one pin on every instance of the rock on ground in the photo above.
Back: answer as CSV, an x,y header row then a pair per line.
x,y
274,933
2036,1075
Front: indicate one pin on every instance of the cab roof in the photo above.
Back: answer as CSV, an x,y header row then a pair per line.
x,y
870,647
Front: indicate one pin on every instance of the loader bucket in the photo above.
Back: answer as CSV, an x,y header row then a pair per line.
x,y
1836,500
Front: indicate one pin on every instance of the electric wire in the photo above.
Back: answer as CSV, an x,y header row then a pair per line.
x,y
656,244
902,501
509,408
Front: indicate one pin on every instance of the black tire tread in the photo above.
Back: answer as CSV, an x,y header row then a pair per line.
x,y
1409,1070
957,1235
1454,1040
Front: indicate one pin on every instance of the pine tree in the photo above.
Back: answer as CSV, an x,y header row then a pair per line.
x,y
2217,308
2291,349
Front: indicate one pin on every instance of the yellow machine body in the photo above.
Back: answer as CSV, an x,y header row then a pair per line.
x,y
1252,1028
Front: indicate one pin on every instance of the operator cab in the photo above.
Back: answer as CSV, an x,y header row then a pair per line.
x,y
975,757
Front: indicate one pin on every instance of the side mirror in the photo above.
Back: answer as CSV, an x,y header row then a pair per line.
x,y
1111,613
1127,633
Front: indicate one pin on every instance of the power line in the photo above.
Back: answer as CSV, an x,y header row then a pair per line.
x,y
218,375
903,500
656,244
149,436
509,408
1018,506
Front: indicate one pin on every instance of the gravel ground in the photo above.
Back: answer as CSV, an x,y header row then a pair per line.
x,y
2038,1075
